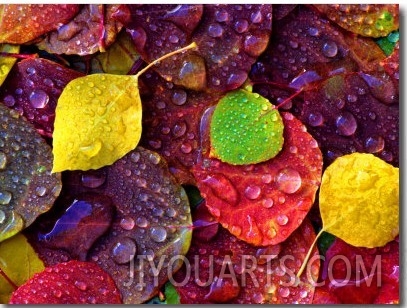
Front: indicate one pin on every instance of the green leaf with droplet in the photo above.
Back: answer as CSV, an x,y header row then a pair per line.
x,y
359,201
245,129
19,262
6,63
98,120
388,43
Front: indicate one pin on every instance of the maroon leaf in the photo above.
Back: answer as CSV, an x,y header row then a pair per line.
x,y
171,123
229,38
73,282
33,88
282,10
350,272
92,30
391,64
21,23
227,270
151,220
264,203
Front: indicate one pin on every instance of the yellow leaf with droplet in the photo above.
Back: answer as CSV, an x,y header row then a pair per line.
x,y
98,120
19,262
6,63
359,200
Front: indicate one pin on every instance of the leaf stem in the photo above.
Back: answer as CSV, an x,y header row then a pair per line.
x,y
304,263
190,46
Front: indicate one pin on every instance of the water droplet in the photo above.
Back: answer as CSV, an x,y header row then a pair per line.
x,y
241,25
31,70
288,180
271,233
81,285
236,230
135,157
2,216
179,129
266,178
222,16
3,161
313,31
5,197
293,44
179,97
158,234
268,203
93,179
282,219
57,293
315,119
127,223
303,293
346,124
352,98
173,39
124,250
9,101
252,192
374,144
372,115
40,191
142,222
215,30
284,292
38,98
330,49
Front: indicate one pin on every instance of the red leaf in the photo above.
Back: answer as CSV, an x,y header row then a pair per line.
x,y
264,203
391,64
73,282
21,23
231,271
373,272
33,88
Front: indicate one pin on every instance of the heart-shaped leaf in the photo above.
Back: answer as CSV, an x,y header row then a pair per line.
x,y
264,203
108,124
245,129
27,187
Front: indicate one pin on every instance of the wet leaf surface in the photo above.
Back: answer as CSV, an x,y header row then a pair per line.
x,y
6,63
21,23
264,203
229,38
227,270
363,19
33,88
92,30
27,187
73,282
152,219
19,262
373,272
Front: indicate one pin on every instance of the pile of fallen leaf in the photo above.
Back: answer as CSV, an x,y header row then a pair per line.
x,y
199,154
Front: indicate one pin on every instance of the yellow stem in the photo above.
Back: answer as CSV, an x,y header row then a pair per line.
x,y
304,263
190,46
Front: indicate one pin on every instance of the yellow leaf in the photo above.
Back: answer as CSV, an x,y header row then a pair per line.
x,y
19,262
6,63
98,120
359,200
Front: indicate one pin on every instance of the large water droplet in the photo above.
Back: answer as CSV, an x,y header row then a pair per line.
x,y
179,97
330,49
40,191
282,219
127,223
141,222
313,31
9,101
268,203
315,119
252,192
124,250
5,197
3,161
158,234
222,16
284,292
288,180
346,124
38,98
241,25
374,144
215,30
179,129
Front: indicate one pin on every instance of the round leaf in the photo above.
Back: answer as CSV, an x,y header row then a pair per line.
x,y
359,200
245,129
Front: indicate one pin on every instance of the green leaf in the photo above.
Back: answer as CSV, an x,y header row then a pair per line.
x,y
98,120
245,129
19,262
171,295
6,63
388,43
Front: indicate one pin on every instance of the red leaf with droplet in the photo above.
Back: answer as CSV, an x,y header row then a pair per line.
x,y
171,123
229,39
21,23
33,87
264,203
73,282
227,270
391,64
351,271
92,30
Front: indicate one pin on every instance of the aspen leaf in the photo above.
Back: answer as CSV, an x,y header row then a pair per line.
x,y
98,120
359,200
19,262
